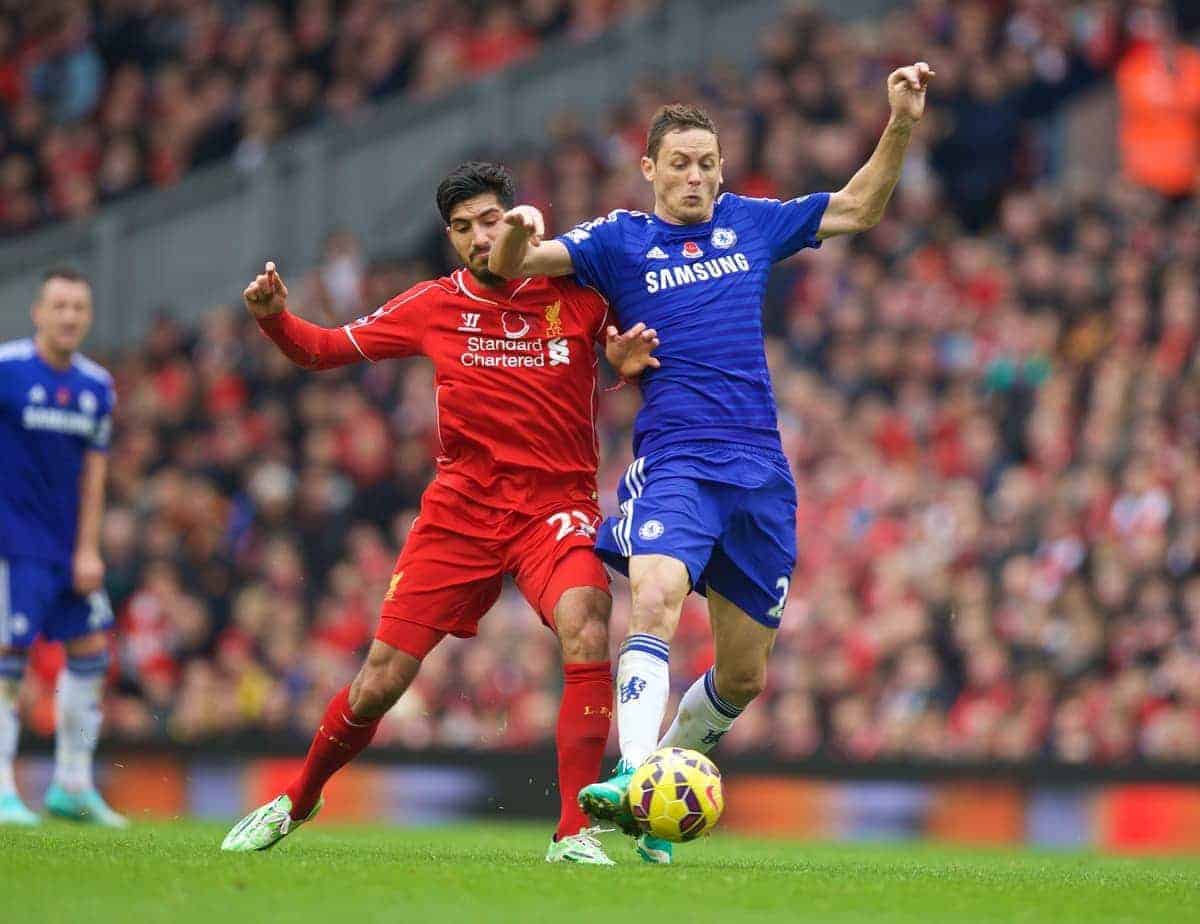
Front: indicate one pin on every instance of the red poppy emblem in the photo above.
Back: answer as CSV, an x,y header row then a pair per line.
x,y
63,396
691,250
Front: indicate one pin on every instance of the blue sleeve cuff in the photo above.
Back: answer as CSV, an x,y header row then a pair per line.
x,y
579,262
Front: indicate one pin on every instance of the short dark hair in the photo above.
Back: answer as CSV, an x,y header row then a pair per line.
x,y
673,118
69,273
466,181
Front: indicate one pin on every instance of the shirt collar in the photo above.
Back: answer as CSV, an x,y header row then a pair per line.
x,y
473,289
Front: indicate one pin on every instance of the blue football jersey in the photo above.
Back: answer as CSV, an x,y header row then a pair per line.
x,y
701,287
48,419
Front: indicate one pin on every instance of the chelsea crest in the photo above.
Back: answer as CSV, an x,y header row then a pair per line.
x,y
723,238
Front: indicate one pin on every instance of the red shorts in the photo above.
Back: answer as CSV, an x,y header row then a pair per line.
x,y
453,565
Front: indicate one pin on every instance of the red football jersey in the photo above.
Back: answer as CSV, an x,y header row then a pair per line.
x,y
515,370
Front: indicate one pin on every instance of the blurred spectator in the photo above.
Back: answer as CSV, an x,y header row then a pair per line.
x,y
1158,82
68,75
333,293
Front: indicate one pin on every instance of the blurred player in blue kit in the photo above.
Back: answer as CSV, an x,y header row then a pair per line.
x,y
55,423
709,502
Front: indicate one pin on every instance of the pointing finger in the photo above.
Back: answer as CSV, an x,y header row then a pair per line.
x,y
613,332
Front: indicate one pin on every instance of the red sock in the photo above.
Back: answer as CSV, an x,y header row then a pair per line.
x,y
583,720
339,739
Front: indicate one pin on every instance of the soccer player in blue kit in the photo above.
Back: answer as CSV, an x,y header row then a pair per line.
x,y
709,502
55,420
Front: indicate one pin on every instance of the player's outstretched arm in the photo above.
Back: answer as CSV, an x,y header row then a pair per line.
x,y
630,353
305,344
520,250
859,205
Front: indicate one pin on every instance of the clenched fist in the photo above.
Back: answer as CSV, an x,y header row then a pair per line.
x,y
906,91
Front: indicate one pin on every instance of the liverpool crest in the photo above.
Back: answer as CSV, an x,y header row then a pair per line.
x,y
553,324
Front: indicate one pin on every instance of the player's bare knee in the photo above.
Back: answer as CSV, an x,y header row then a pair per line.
x,y
740,685
656,609
373,693
589,641
384,677
87,645
659,588
582,620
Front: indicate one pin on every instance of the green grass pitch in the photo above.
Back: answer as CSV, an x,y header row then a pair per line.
x,y
173,872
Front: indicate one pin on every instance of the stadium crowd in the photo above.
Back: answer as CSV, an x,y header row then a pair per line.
x,y
992,404
101,99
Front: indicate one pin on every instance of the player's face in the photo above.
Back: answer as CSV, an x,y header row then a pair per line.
x,y
474,226
686,176
62,315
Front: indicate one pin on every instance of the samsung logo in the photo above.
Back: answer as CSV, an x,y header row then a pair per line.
x,y
56,421
670,277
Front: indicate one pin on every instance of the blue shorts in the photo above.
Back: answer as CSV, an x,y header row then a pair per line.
x,y
37,598
727,512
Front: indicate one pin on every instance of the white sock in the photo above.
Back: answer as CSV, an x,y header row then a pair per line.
x,y
78,715
11,669
703,717
643,684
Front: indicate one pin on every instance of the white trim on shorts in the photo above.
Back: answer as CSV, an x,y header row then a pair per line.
x,y
5,604
635,481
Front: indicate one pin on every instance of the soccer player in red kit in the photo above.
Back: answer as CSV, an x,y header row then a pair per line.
x,y
515,491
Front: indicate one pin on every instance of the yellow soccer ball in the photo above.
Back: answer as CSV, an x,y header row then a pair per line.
x,y
676,794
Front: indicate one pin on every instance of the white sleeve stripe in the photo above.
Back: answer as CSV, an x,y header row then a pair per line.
x,y
432,285
382,312
387,307
346,328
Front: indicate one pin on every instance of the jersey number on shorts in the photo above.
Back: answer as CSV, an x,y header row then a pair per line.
x,y
574,523
783,585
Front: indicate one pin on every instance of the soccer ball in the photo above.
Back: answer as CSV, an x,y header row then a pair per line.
x,y
676,794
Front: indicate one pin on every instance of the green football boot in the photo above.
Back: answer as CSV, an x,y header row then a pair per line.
x,y
14,812
609,800
87,806
653,849
583,847
266,826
